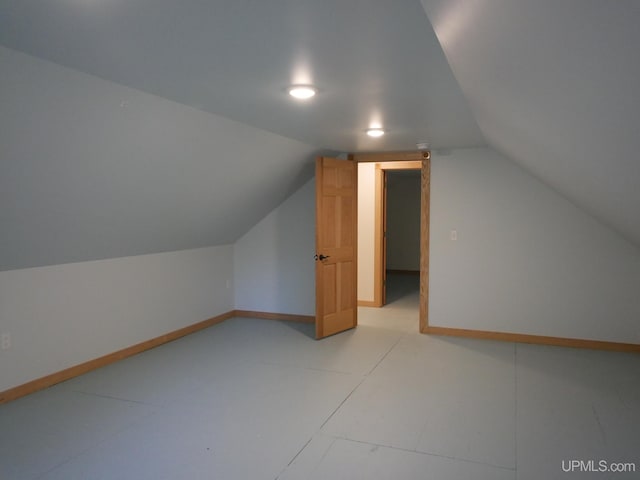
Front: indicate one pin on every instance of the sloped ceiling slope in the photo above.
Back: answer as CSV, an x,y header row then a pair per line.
x,y
555,86
90,169
132,127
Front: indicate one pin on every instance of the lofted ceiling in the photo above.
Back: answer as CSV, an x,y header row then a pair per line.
x,y
374,61
132,126
555,87
90,169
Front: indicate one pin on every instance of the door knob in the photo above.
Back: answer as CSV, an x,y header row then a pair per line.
x,y
321,257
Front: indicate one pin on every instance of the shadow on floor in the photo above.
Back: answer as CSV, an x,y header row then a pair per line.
x,y
307,329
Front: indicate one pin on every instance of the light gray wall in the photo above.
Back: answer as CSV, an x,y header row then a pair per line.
x,y
403,220
526,259
63,315
273,262
90,169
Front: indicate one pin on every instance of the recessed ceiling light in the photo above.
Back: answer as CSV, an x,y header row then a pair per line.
x,y
375,132
302,92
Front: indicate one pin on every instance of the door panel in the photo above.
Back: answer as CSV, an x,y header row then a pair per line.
x,y
336,240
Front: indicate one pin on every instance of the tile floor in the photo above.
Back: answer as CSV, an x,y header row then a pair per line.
x,y
257,399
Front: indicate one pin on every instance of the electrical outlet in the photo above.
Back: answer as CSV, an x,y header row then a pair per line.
x,y
453,235
6,341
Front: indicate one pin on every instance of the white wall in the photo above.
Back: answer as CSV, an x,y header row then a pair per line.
x,y
273,262
403,220
526,259
366,231
60,316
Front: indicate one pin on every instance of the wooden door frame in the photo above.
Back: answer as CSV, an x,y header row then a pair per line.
x,y
402,161
380,223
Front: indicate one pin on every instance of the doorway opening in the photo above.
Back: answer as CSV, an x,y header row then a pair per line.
x,y
401,237
372,279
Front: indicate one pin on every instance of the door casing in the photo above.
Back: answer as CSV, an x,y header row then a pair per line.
x,y
401,161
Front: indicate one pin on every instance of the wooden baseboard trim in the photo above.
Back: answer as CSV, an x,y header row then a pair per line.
x,y
288,317
68,373
368,303
534,339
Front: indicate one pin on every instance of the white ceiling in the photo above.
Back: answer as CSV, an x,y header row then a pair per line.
x,y
552,85
373,61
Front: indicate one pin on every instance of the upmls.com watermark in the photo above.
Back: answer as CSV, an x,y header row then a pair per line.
x,y
598,466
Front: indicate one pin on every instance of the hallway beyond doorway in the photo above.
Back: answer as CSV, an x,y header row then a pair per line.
x,y
402,310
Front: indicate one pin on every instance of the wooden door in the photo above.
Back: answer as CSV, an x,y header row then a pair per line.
x,y
336,241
